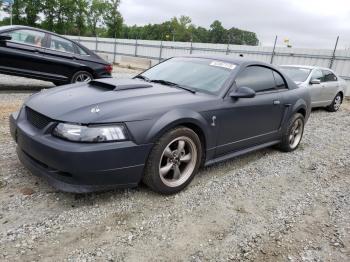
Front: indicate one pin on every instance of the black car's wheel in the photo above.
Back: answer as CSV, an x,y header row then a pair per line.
x,y
336,103
82,76
173,161
293,133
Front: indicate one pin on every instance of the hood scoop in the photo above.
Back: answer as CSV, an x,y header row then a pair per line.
x,y
118,85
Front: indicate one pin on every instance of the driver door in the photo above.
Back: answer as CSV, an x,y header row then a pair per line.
x,y
246,122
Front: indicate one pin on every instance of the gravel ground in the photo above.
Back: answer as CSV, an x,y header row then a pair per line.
x,y
264,206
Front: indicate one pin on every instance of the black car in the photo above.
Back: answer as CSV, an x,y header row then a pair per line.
x,y
35,53
159,127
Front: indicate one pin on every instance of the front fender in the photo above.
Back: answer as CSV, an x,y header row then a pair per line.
x,y
175,118
149,131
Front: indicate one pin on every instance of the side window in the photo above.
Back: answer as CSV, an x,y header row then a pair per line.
x,y
329,76
28,37
81,51
258,78
61,44
317,74
280,84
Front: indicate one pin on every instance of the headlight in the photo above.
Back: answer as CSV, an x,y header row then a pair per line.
x,y
91,134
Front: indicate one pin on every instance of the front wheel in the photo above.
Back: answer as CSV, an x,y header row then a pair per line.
x,y
174,161
82,76
293,134
336,103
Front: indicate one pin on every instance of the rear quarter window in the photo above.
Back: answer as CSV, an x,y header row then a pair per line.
x,y
328,76
280,83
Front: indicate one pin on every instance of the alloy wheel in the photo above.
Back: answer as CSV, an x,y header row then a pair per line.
x,y
83,77
178,161
296,133
337,102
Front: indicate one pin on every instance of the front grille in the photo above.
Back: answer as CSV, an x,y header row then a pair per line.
x,y
36,119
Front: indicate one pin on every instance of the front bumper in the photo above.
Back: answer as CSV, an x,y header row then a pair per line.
x,y
78,167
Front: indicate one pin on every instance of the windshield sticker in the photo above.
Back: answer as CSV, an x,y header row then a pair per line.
x,y
223,64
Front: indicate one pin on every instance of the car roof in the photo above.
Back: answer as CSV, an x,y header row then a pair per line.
x,y
229,59
308,67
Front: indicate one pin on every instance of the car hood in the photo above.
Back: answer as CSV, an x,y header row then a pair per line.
x,y
111,100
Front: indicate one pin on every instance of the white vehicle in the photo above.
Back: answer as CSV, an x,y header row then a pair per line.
x,y
326,88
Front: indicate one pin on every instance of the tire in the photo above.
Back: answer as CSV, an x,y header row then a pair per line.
x,y
336,103
81,76
173,161
294,128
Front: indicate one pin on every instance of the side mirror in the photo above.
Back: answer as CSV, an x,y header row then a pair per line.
x,y
243,92
315,81
4,38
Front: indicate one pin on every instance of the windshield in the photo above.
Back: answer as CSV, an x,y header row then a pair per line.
x,y
199,74
297,74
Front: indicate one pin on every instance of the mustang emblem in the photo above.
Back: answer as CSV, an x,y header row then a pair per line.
x,y
95,110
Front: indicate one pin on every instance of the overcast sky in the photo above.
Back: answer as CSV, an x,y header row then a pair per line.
x,y
307,23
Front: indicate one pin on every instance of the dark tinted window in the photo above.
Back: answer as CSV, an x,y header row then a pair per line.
x,y
329,76
61,44
317,74
81,51
28,37
258,78
280,84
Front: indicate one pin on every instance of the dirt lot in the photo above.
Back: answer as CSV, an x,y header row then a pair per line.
x,y
265,206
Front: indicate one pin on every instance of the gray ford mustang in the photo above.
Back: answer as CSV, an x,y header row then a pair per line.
x,y
160,126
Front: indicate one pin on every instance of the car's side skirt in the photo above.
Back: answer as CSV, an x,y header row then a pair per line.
x,y
240,152
31,74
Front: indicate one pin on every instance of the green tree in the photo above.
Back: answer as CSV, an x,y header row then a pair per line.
x,y
217,32
97,9
49,10
32,8
80,16
113,19
18,12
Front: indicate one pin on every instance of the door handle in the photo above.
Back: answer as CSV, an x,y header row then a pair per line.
x,y
276,102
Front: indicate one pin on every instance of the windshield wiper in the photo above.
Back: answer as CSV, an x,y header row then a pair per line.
x,y
168,83
143,78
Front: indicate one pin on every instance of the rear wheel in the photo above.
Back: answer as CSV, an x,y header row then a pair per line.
x,y
293,134
336,103
82,76
174,161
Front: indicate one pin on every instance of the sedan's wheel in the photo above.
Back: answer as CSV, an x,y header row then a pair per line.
x,y
81,76
173,161
337,101
293,133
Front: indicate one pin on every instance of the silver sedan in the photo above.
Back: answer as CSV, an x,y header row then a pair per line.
x,y
326,88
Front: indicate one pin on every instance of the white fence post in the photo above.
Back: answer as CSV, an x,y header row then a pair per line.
x,y
115,50
136,45
160,50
